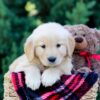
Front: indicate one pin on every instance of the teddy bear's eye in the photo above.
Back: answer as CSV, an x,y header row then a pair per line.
x,y
43,46
84,35
94,45
75,34
58,45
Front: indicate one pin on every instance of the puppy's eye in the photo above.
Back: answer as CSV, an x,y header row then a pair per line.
x,y
58,45
43,46
84,35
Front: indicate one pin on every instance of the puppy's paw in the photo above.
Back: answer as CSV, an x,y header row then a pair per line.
x,y
32,81
49,78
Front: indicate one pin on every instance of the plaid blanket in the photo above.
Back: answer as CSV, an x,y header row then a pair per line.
x,y
69,87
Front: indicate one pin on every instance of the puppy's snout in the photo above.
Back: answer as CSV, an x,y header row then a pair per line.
x,y
52,59
79,39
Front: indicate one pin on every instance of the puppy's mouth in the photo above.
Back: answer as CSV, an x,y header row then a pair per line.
x,y
51,65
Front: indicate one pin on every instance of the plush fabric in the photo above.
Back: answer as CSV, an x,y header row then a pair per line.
x,y
70,87
88,56
92,37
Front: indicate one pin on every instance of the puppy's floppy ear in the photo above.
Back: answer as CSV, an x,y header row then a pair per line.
x,y
70,45
29,49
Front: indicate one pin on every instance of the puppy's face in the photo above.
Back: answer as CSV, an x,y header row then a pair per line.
x,y
51,49
51,44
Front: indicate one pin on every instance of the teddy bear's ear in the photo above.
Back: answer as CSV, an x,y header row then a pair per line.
x,y
95,37
69,28
97,34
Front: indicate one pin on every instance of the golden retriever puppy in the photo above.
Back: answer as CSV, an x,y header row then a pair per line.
x,y
48,50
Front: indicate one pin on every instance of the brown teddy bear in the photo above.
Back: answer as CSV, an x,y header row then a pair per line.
x,y
87,43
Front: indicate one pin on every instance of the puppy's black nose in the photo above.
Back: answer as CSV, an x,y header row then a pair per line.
x,y
52,59
79,39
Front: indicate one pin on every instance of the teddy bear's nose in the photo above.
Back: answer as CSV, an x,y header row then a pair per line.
x,y
79,39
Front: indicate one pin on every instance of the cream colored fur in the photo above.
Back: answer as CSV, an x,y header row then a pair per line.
x,y
47,40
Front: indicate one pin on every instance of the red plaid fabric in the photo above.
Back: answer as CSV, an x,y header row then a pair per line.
x,y
69,87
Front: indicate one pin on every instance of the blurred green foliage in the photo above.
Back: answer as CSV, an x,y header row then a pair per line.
x,y
19,17
1,87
